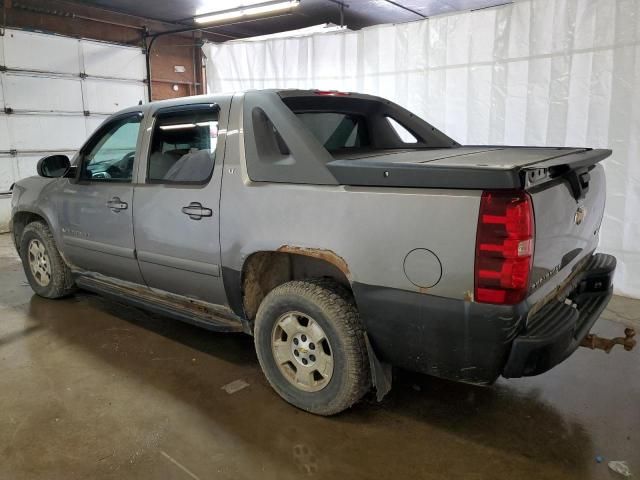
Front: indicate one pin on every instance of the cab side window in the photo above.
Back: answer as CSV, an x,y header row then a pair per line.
x,y
109,158
183,147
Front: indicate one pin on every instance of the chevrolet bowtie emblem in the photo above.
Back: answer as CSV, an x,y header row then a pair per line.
x,y
578,217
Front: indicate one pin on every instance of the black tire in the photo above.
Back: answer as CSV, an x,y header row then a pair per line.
x,y
61,282
333,309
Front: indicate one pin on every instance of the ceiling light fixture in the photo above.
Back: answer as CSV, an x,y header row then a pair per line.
x,y
248,11
178,126
214,6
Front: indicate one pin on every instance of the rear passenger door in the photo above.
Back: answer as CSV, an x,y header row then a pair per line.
x,y
176,202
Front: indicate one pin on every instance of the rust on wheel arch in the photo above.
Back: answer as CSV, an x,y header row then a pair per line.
x,y
321,254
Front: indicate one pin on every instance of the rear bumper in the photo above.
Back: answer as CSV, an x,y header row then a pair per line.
x,y
556,330
476,342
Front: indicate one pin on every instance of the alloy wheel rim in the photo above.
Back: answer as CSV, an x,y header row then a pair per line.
x,y
302,351
39,262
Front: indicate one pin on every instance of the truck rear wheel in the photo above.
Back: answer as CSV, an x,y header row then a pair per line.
x,y
311,347
43,265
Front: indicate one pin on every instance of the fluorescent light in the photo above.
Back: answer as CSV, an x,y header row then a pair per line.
x,y
248,11
218,17
269,8
178,126
213,6
300,32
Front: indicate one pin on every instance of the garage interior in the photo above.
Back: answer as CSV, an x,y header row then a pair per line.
x,y
92,388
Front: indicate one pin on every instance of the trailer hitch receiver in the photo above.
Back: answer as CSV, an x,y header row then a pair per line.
x,y
594,342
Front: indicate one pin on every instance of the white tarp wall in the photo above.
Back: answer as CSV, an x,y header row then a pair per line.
x,y
536,72
54,92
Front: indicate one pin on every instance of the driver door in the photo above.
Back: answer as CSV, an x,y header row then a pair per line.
x,y
96,207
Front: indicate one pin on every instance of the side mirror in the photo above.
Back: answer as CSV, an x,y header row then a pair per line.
x,y
53,166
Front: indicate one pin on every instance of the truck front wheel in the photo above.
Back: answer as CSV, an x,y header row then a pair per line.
x,y
311,347
43,265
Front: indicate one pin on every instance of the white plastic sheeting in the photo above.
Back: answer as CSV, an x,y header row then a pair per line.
x,y
536,72
50,82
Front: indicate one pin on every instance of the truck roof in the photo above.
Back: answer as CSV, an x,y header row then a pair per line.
x,y
283,93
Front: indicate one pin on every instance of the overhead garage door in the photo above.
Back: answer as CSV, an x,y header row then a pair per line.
x,y
54,92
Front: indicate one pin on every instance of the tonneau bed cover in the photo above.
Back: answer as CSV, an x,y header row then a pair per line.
x,y
468,167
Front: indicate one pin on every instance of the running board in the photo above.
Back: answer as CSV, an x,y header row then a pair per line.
x,y
202,314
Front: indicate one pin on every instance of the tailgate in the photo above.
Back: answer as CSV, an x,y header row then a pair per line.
x,y
568,206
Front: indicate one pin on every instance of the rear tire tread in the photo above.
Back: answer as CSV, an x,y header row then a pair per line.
x,y
337,303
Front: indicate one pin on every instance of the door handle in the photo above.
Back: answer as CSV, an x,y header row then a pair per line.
x,y
116,204
196,211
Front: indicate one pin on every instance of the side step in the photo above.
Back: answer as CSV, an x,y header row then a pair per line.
x,y
202,314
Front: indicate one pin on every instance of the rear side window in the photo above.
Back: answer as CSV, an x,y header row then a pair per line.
x,y
183,147
335,130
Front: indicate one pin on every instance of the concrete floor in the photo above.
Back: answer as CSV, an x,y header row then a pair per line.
x,y
93,389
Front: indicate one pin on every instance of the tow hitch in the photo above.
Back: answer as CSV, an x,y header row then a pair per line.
x,y
595,342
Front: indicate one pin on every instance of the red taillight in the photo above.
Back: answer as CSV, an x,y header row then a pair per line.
x,y
504,247
332,93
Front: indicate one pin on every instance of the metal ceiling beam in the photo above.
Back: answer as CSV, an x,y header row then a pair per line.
x,y
121,12
399,5
342,6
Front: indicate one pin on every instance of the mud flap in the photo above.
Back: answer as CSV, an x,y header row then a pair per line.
x,y
381,373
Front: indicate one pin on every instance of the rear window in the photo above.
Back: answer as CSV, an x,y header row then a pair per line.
x,y
347,125
336,130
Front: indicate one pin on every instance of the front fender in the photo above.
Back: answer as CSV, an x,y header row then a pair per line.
x,y
37,196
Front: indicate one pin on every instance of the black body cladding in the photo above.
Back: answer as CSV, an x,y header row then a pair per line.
x,y
483,341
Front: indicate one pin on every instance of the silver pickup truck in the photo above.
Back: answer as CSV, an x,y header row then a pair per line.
x,y
343,232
